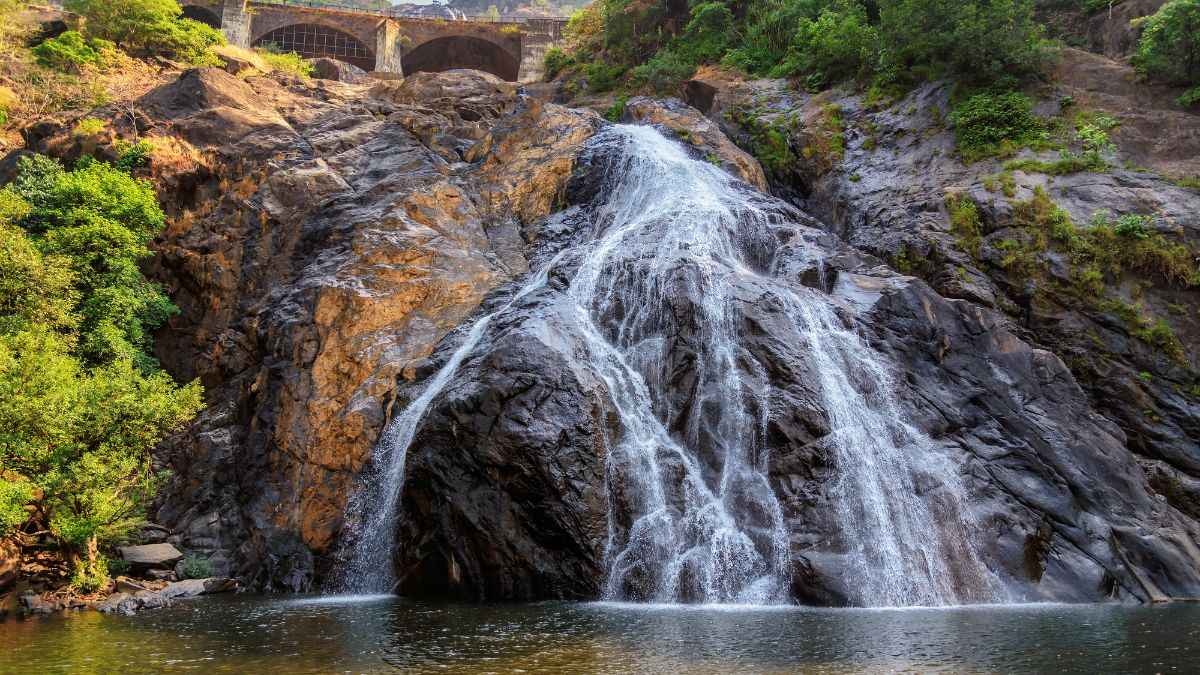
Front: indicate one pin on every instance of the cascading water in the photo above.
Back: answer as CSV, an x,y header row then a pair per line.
x,y
371,512
652,298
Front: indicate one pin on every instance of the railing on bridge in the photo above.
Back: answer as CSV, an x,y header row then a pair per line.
x,y
451,15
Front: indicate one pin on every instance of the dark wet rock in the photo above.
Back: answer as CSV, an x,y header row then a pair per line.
x,y
323,238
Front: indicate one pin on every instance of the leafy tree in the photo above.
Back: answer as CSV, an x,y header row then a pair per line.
x,y
1169,50
81,403
839,44
102,221
979,41
709,33
149,27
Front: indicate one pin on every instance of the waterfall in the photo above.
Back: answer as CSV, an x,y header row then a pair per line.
x,y
652,302
372,509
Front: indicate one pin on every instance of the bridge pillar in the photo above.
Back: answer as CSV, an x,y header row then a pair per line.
x,y
235,23
387,48
537,38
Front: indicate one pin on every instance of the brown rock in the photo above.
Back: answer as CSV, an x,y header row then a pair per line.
x,y
699,132
162,556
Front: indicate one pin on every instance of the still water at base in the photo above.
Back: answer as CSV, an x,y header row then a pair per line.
x,y
247,634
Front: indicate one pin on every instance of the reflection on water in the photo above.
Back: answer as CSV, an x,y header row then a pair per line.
x,y
247,634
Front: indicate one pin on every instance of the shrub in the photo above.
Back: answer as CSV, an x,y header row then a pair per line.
x,y
133,155
665,72
556,60
965,223
1169,49
195,567
77,416
708,34
617,110
994,124
89,126
15,493
287,62
602,77
146,27
980,41
90,575
69,51
839,44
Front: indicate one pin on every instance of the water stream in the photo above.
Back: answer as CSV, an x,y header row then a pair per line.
x,y
692,515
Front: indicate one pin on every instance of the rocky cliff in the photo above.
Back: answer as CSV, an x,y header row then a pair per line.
x,y
328,239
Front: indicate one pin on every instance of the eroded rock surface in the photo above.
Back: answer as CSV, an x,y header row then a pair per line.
x,y
330,242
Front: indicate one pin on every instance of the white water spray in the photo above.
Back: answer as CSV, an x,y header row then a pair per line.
x,y
692,515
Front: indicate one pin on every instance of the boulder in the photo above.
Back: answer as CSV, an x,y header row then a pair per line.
x,y
161,556
10,563
339,71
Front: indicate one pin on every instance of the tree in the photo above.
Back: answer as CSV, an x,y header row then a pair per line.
x,y
1169,49
985,42
839,44
81,401
145,27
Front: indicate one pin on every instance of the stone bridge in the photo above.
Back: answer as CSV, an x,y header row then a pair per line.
x,y
383,41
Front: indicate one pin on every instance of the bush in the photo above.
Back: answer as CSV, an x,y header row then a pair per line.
x,y
90,575
1169,49
665,72
133,155
195,567
707,35
77,416
994,124
287,62
556,60
617,110
994,42
148,27
69,52
602,77
840,44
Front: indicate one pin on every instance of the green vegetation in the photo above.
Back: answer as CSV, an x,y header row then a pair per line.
x,y
989,125
148,27
769,140
1169,50
1102,251
81,399
617,110
965,223
649,45
195,567
287,62
71,52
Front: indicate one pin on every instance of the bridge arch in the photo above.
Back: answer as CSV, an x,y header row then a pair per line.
x,y
202,14
449,52
312,40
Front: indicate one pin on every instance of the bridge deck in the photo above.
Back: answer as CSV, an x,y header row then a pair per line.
x,y
411,14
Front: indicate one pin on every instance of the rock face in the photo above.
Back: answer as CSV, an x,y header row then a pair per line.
x,y
887,196
323,238
1063,508
329,243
